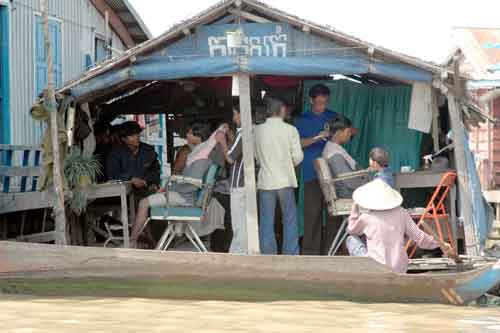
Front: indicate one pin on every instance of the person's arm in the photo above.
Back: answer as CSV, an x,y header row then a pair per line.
x,y
152,176
306,142
423,240
236,150
356,224
180,161
339,165
296,148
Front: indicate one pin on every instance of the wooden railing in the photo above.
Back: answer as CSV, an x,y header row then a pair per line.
x,y
19,168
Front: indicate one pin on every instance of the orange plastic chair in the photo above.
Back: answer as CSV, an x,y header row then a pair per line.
x,y
436,211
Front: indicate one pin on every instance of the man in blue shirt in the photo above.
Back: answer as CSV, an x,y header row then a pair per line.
x,y
314,135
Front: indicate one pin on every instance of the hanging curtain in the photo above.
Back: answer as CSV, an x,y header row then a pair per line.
x,y
380,113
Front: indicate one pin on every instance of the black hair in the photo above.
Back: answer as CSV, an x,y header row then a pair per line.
x,y
319,90
339,123
236,107
101,128
129,128
273,106
201,130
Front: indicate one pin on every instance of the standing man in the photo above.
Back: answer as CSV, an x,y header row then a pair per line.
x,y
278,151
237,191
314,135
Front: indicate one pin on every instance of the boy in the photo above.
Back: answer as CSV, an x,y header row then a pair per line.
x,y
379,163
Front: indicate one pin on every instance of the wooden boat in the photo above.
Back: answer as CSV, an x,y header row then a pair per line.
x,y
211,275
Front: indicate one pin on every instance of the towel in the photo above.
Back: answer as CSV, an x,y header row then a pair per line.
x,y
332,148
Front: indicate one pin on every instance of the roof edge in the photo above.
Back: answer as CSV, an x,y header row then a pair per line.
x,y
138,18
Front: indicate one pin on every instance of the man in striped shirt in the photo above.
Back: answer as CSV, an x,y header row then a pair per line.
x,y
237,182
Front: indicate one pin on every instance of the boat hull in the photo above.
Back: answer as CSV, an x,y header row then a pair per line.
x,y
359,279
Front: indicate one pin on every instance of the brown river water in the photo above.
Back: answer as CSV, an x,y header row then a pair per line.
x,y
84,314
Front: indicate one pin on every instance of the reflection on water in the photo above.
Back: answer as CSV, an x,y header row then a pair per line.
x,y
78,314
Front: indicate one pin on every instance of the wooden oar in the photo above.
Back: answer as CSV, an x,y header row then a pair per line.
x,y
442,245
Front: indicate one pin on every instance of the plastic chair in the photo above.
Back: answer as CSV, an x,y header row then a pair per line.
x,y
179,217
436,211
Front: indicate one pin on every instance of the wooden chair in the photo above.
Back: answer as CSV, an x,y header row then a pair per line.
x,y
336,206
435,211
178,218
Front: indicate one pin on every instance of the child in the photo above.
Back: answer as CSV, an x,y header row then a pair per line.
x,y
385,225
379,162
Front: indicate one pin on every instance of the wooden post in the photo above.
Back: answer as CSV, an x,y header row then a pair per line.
x,y
458,130
249,164
435,120
60,215
489,111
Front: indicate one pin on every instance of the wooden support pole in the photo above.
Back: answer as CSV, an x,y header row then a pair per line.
x,y
249,164
491,174
435,120
458,130
60,215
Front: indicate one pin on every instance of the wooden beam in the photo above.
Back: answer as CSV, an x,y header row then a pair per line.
x,y
249,16
249,164
20,171
19,148
50,102
17,202
43,237
115,22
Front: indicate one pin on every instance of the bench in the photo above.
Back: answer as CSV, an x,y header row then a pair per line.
x,y
20,173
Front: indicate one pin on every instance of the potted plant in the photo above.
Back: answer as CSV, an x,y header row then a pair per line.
x,y
80,170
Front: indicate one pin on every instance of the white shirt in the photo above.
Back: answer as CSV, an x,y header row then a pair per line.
x,y
278,151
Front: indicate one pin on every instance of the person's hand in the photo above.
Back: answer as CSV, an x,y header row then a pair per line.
x,y
448,250
323,135
161,190
138,182
355,208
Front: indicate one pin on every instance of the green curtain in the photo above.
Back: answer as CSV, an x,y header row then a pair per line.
x,y
380,113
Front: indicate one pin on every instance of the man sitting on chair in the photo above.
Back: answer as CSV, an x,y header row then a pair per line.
x,y
182,194
338,158
134,161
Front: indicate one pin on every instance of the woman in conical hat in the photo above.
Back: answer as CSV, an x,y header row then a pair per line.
x,y
385,226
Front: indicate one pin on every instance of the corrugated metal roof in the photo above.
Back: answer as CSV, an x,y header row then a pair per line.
x,y
219,10
131,19
481,48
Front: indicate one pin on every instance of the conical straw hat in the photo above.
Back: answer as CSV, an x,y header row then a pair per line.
x,y
377,195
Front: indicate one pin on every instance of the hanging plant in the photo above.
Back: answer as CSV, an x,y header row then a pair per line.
x,y
81,170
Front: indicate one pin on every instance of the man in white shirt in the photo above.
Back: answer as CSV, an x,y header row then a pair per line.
x,y
278,151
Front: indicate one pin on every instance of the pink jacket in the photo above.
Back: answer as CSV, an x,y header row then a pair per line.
x,y
385,234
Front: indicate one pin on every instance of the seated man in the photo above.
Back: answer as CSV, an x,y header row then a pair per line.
x,y
183,153
181,194
338,158
134,160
